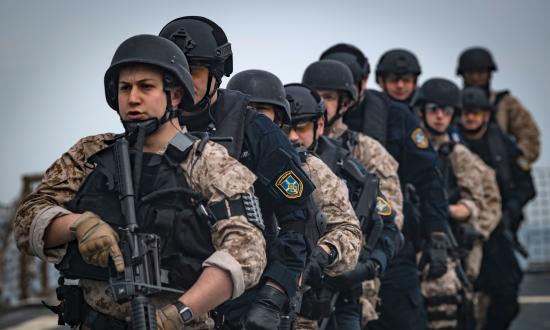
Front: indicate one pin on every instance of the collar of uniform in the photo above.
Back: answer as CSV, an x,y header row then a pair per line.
x,y
336,132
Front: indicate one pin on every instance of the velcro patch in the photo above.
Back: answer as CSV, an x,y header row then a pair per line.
x,y
523,163
419,138
290,185
383,208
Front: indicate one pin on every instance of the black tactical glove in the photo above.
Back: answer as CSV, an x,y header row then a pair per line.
x,y
511,219
364,271
467,235
436,256
314,273
264,314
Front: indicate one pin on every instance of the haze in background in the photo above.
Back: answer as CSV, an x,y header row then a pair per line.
x,y
53,55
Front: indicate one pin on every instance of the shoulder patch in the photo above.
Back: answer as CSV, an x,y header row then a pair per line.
x,y
419,138
290,185
383,208
523,163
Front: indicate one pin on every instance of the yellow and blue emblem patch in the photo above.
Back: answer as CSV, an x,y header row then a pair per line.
x,y
383,208
290,185
523,163
420,139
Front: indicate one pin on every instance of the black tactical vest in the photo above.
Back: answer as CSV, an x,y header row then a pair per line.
x,y
445,166
498,98
231,110
370,116
337,157
499,160
165,205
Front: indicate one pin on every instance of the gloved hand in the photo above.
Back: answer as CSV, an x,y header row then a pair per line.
x,y
511,219
467,236
314,273
97,241
168,318
436,256
364,271
265,312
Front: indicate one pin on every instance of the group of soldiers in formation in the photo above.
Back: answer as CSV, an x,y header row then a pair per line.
x,y
318,204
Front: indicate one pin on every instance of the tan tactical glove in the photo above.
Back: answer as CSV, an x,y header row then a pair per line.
x,y
97,241
168,318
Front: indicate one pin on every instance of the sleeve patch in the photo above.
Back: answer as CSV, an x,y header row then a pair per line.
x,y
523,163
419,138
383,208
290,185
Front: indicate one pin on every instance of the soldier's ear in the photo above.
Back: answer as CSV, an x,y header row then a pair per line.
x,y
176,95
320,127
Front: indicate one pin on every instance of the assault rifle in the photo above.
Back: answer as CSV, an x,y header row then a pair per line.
x,y
363,206
466,318
141,276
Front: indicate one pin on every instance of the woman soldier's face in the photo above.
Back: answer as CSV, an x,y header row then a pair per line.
x,y
141,93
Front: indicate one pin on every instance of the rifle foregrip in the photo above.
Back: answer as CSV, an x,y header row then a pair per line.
x,y
143,314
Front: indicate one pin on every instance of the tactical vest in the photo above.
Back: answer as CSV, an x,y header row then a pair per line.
x,y
375,123
230,117
498,98
370,116
499,160
165,205
445,167
338,158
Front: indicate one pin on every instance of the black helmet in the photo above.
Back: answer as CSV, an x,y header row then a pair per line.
x,y
475,59
441,91
351,56
262,87
330,74
150,50
202,41
397,61
305,103
476,98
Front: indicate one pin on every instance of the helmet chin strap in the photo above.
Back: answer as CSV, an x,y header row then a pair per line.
x,y
313,146
339,112
137,130
206,102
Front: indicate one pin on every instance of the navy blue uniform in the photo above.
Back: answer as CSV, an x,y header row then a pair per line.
x,y
403,306
500,274
266,151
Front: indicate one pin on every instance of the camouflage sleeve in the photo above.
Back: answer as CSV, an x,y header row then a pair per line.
x,y
343,231
522,126
218,176
376,159
58,187
468,170
478,184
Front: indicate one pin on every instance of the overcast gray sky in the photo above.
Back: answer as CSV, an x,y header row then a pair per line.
x,y
53,55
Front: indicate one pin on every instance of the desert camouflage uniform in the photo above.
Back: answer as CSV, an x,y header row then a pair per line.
x,y
214,174
514,119
376,159
447,285
470,172
331,196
